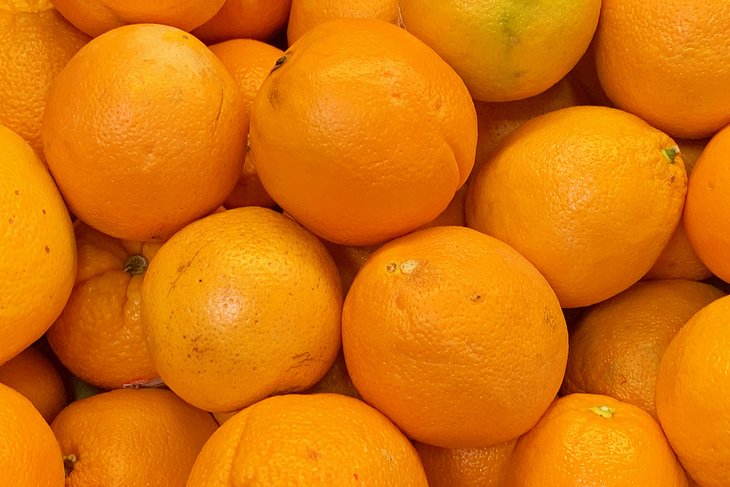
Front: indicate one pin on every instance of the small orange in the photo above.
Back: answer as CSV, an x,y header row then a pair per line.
x,y
131,437
585,75
98,16
245,19
455,337
35,43
337,380
332,132
616,347
589,439
466,467
154,137
241,305
308,439
30,453
98,336
693,394
590,195
38,250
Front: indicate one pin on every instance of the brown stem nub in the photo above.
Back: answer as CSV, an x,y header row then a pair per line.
x,y
68,463
136,265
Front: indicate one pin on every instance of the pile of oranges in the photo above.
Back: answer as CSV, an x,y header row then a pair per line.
x,y
364,242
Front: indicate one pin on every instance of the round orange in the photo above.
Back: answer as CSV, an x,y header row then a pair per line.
x,y
333,132
466,467
455,337
590,195
143,132
241,305
245,19
131,437
589,439
693,394
98,336
38,248
308,439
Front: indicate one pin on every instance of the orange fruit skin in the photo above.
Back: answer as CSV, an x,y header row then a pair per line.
x,y
241,305
34,376
245,19
31,456
617,345
706,216
466,467
131,437
332,132
306,14
584,193
154,137
672,74
35,44
98,16
308,439
248,61
692,394
460,348
98,336
504,50
573,445
38,247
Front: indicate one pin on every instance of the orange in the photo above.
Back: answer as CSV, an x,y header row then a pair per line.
x,y
154,137
589,439
585,75
455,337
678,260
309,439
38,249
34,376
466,467
98,16
693,391
673,74
337,380
706,216
249,61
131,437
30,454
98,336
617,345
35,44
305,14
505,50
241,305
590,195
254,19
333,132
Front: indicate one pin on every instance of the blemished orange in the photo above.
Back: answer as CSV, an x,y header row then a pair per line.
x,y
245,19
31,455
98,336
504,50
131,437
616,347
706,213
590,439
241,305
466,467
154,137
678,260
36,42
673,74
33,375
455,337
590,195
38,247
332,132
305,14
693,394
248,61
98,16
308,439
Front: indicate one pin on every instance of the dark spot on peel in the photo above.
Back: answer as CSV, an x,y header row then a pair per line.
x,y
48,250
